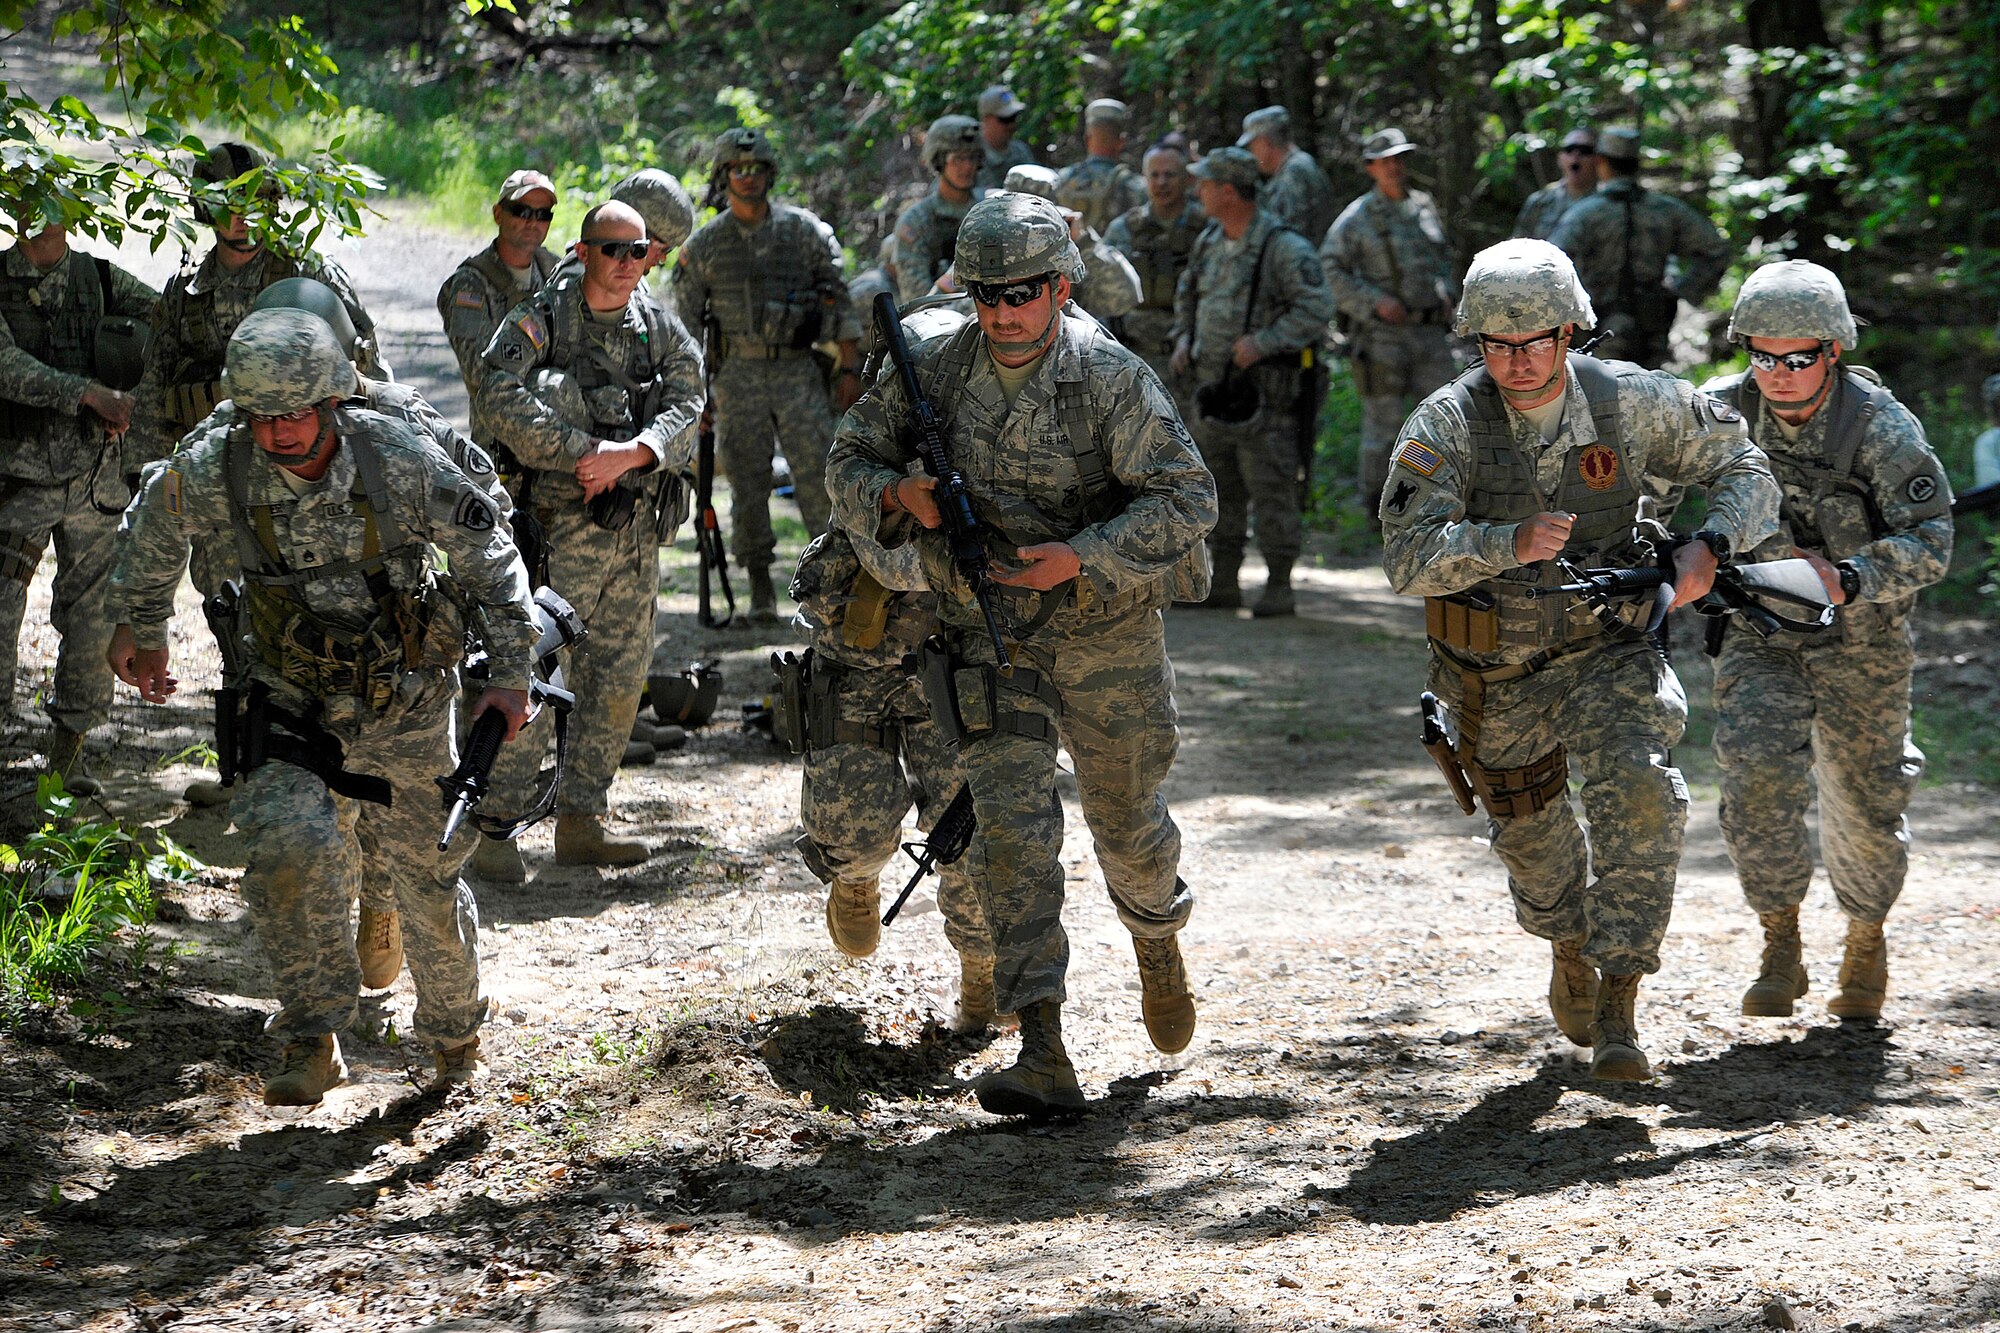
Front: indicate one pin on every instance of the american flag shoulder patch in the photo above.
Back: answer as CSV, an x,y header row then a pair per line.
x,y
1418,457
467,299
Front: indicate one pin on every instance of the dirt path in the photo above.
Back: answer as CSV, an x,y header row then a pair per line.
x,y
701,1118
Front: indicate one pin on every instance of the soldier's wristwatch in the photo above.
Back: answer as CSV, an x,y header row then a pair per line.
x,y
1718,542
1850,580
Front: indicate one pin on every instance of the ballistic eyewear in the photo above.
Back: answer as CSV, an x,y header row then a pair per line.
x,y
528,212
1533,347
1793,361
620,249
990,294
273,418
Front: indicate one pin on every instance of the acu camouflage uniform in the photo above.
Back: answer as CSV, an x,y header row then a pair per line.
x,y
1255,462
771,291
473,301
640,377
1380,247
1000,161
926,235
1100,188
1091,453
61,475
1159,253
1861,486
1531,683
875,749
1299,195
1676,254
1109,288
1543,209
348,558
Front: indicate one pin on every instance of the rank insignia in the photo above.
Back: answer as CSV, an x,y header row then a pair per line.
x,y
1418,457
1599,466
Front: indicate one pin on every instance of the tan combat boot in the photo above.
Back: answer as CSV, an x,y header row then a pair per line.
x,y
1614,1034
580,841
763,597
1276,599
1224,594
66,761
853,917
498,861
378,944
1164,996
457,1066
975,995
305,1071
1572,991
1864,972
1042,1082
1782,978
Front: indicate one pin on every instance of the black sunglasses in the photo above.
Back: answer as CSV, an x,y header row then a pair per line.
x,y
620,249
991,294
1583,148
1794,361
529,213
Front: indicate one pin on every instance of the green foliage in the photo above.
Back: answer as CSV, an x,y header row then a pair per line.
x,y
168,67
68,893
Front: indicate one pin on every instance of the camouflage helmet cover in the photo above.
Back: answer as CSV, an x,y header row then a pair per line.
x,y
1793,299
1521,286
662,201
315,298
1010,237
226,161
948,135
283,359
743,145
1032,178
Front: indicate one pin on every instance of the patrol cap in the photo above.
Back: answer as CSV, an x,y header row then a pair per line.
x,y
999,100
662,201
523,183
1009,237
315,298
1619,141
1521,286
1229,166
1390,142
1793,298
1272,120
1581,139
948,135
1106,111
281,360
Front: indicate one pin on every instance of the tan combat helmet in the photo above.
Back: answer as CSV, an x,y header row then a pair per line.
x,y
315,298
1793,299
281,360
1521,286
663,202
948,135
1011,237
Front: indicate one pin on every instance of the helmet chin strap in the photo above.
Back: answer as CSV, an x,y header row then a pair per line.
x,y
319,444
1555,370
1038,345
1805,407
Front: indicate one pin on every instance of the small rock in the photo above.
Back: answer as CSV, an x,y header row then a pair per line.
x,y
1689,1046
1600,1301
1395,851
1663,1296
1288,1281
1777,1314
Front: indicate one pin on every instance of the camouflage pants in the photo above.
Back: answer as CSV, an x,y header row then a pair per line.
x,y
757,402
1256,477
1396,366
81,697
1120,726
1619,709
611,578
1836,713
855,793
306,847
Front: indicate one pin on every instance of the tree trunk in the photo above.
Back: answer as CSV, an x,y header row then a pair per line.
x,y
1780,25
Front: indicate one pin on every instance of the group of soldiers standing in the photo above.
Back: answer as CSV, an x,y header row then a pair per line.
x,y
1125,369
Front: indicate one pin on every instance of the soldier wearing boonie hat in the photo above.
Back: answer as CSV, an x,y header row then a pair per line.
x,y
1296,191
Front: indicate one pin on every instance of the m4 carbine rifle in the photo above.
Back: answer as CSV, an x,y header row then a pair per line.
x,y
962,528
1748,590
1983,500
949,840
709,550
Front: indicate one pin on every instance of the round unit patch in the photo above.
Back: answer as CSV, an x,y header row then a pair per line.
x,y
1599,466
1922,487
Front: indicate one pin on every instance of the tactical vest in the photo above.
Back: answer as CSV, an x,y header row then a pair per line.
x,y
63,340
1841,517
1160,253
320,657
193,387
571,347
782,308
1103,494
1597,486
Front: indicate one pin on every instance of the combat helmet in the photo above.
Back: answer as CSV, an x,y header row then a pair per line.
x,y
282,359
224,163
1793,299
743,144
1012,237
662,201
948,135
1521,286
315,298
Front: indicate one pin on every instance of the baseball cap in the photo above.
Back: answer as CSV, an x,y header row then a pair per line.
x,y
524,182
1105,111
999,100
1229,166
1386,143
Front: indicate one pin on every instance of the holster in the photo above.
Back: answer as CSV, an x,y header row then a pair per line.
x,y
969,701
866,618
303,744
793,672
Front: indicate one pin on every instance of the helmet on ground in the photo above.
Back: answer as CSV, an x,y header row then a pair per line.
x,y
1521,286
948,135
281,360
1793,299
315,298
662,201
1012,237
